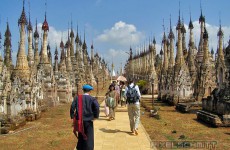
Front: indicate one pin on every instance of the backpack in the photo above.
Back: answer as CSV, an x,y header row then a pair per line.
x,y
132,95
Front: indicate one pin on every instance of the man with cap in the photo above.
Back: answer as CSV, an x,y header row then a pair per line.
x,y
84,109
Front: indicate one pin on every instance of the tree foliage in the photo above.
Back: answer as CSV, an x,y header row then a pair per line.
x,y
141,83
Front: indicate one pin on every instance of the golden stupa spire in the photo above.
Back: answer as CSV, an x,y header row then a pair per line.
x,y
22,68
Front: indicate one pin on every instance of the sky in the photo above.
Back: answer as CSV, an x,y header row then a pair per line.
x,y
113,26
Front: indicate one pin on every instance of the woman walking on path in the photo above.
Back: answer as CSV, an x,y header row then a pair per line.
x,y
117,89
122,93
111,101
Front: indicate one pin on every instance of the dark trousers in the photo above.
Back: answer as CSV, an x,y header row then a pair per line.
x,y
89,143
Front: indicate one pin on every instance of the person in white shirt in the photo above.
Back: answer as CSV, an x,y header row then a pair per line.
x,y
133,107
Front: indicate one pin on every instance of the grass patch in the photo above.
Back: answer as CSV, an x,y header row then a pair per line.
x,y
173,125
54,143
62,133
170,138
61,111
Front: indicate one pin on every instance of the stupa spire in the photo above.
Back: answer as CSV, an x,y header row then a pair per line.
x,y
30,56
220,34
171,46
45,28
22,68
36,40
179,56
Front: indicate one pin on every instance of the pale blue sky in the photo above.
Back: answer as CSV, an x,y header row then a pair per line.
x,y
115,25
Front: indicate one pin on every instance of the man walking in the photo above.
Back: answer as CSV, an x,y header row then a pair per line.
x,y
133,96
83,111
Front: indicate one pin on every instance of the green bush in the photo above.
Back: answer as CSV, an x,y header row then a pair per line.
x,y
141,83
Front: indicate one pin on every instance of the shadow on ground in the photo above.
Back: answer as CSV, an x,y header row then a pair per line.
x,y
113,131
204,123
102,118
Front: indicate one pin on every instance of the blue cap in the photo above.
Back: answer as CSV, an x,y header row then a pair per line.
x,y
87,87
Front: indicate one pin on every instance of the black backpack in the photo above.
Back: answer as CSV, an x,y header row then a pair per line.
x,y
132,95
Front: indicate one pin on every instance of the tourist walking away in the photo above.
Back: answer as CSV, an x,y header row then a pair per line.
x,y
122,93
84,109
111,101
133,96
117,89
